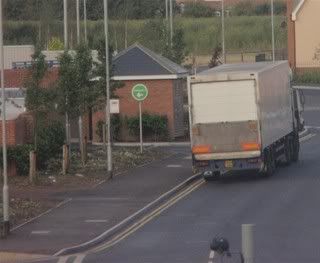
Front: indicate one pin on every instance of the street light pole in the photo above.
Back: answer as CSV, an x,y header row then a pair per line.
x,y
65,31
78,21
272,25
167,10
223,32
171,22
6,221
108,122
85,20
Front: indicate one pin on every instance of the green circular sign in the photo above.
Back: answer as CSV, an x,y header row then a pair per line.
x,y
139,92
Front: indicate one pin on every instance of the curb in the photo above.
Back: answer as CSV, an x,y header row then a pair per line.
x,y
128,221
304,133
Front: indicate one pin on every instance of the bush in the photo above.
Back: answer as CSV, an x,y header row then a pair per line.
x,y
115,128
50,142
198,10
308,77
153,126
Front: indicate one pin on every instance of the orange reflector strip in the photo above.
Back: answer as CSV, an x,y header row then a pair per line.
x,y
200,149
250,146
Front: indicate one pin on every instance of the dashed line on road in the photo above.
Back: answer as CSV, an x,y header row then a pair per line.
x,y
63,259
40,232
79,258
174,166
188,158
211,256
96,221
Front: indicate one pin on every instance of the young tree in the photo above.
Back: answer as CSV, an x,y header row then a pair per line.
x,y
177,53
215,60
39,98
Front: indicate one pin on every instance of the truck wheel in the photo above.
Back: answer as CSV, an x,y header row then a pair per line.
x,y
295,148
270,163
288,148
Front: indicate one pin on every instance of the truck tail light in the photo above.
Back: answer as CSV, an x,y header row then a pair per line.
x,y
250,146
201,149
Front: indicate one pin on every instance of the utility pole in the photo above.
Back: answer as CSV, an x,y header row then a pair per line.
x,y
223,32
167,10
85,20
272,25
171,22
80,117
6,222
108,121
66,46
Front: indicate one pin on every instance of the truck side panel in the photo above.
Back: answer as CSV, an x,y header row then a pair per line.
x,y
274,100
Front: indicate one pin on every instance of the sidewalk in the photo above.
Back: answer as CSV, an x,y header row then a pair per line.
x,y
91,212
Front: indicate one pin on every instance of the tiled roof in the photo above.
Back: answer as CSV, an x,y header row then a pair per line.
x,y
141,61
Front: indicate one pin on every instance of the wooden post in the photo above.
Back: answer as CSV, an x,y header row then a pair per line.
x,y
65,159
104,136
32,168
84,151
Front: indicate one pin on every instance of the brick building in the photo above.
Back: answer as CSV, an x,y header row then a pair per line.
x,y
303,38
165,80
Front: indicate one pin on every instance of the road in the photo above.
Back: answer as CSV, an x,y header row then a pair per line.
x,y
283,208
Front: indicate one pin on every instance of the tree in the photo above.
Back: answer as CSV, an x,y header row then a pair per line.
x,y
215,60
39,98
177,53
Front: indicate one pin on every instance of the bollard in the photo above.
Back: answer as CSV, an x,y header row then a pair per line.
x,y
248,243
65,159
32,168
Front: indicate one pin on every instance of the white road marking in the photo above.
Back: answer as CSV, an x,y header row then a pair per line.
x,y
63,259
44,232
210,261
96,221
79,258
211,255
307,137
174,166
187,158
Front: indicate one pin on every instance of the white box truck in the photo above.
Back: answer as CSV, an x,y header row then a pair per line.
x,y
243,117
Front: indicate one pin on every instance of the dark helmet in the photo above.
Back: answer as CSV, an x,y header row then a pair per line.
x,y
219,245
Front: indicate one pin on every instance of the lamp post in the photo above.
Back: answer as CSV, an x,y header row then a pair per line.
x,y
223,32
6,222
272,25
171,22
85,20
108,122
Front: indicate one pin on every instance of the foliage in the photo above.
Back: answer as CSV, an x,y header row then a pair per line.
x,y
242,33
248,8
215,60
178,51
307,77
153,126
115,128
198,10
55,44
51,139
39,99
20,155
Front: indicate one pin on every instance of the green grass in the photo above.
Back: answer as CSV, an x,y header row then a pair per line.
x,y
243,33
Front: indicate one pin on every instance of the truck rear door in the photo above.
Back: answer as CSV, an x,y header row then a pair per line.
x,y
225,118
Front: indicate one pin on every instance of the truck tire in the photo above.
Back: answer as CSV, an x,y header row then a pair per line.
x,y
270,163
295,148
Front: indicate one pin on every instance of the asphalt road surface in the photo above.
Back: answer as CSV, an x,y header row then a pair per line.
x,y
283,208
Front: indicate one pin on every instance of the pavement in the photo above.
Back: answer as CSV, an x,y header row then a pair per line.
x,y
86,214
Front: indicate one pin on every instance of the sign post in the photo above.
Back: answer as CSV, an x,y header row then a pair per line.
x,y
140,93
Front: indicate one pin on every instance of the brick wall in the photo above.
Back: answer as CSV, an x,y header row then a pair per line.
x,y
160,101
19,131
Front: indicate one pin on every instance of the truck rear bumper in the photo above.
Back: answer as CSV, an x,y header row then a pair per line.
x,y
223,166
227,155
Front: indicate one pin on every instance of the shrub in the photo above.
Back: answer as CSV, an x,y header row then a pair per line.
x,y
198,10
153,126
308,77
50,141
115,128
